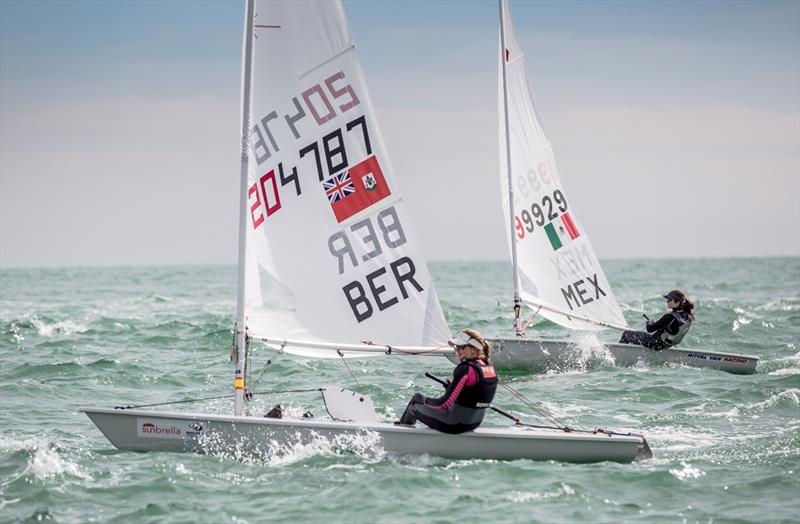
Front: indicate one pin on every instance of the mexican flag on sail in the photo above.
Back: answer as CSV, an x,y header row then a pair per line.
x,y
556,265
561,231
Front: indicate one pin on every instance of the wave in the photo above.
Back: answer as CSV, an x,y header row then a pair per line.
x,y
780,304
790,397
40,371
787,365
44,461
364,444
43,327
687,471
563,490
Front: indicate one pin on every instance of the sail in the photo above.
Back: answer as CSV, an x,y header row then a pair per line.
x,y
331,252
558,272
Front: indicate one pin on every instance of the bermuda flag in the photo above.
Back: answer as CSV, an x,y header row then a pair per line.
x,y
356,189
561,231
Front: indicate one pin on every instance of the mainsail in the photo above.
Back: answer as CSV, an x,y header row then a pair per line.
x,y
331,254
557,271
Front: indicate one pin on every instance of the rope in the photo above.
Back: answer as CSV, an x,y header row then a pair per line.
x,y
344,361
542,411
517,421
529,320
398,350
276,392
278,353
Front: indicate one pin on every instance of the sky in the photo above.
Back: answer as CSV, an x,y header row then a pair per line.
x,y
676,125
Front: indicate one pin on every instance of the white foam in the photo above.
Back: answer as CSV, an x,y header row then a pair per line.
x,y
47,462
592,349
785,371
671,440
44,460
365,444
61,327
528,496
779,304
791,363
687,472
791,395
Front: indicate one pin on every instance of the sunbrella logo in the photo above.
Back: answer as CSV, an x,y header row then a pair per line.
x,y
159,429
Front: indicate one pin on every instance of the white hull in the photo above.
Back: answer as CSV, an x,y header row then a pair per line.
x,y
559,355
256,436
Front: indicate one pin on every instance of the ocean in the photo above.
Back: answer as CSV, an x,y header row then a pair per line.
x,y
727,447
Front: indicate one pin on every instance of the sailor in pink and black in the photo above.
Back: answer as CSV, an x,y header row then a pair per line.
x,y
468,394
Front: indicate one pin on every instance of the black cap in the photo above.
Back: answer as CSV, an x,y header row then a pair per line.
x,y
672,296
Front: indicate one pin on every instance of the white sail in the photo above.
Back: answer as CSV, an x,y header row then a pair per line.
x,y
331,251
558,271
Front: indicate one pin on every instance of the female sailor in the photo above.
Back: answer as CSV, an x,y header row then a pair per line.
x,y
669,329
468,393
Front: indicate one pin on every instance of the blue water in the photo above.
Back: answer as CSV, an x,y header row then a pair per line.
x,y
727,448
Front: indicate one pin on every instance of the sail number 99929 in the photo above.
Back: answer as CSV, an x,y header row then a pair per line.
x,y
538,214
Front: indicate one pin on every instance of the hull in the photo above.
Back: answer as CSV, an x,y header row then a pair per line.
x,y
558,355
256,436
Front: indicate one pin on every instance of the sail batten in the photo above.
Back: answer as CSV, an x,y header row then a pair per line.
x,y
350,47
555,263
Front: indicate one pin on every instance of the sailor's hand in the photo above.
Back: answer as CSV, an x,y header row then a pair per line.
x,y
648,325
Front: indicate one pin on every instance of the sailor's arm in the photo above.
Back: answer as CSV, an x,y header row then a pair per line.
x,y
661,323
453,387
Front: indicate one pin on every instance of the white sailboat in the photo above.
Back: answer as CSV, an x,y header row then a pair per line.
x,y
556,272
327,252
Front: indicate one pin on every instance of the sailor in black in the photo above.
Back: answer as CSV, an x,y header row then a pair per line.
x,y
670,329
468,394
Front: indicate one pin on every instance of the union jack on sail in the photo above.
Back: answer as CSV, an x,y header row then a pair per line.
x,y
338,186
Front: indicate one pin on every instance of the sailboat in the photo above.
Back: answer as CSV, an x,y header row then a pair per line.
x,y
556,272
329,265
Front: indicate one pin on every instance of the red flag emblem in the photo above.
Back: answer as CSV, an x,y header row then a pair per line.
x,y
368,186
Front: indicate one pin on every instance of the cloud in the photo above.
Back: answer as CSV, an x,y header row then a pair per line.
x,y
119,181
653,134
706,180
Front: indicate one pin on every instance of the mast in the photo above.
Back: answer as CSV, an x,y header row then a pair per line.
x,y
241,328
515,272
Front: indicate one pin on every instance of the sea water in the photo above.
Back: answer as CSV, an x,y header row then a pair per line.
x,y
727,447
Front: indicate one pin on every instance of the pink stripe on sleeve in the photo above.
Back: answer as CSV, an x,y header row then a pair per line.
x,y
470,379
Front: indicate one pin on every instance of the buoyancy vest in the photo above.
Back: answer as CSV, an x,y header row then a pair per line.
x,y
481,394
684,323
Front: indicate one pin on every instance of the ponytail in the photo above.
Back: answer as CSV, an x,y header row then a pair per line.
x,y
687,306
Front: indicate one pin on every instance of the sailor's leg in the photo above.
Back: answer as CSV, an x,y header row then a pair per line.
x,y
455,419
632,337
410,414
654,342
640,338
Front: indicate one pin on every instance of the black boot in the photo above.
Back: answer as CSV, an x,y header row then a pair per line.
x,y
275,412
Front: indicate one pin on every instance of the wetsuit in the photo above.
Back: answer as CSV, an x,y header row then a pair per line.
x,y
463,404
663,333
